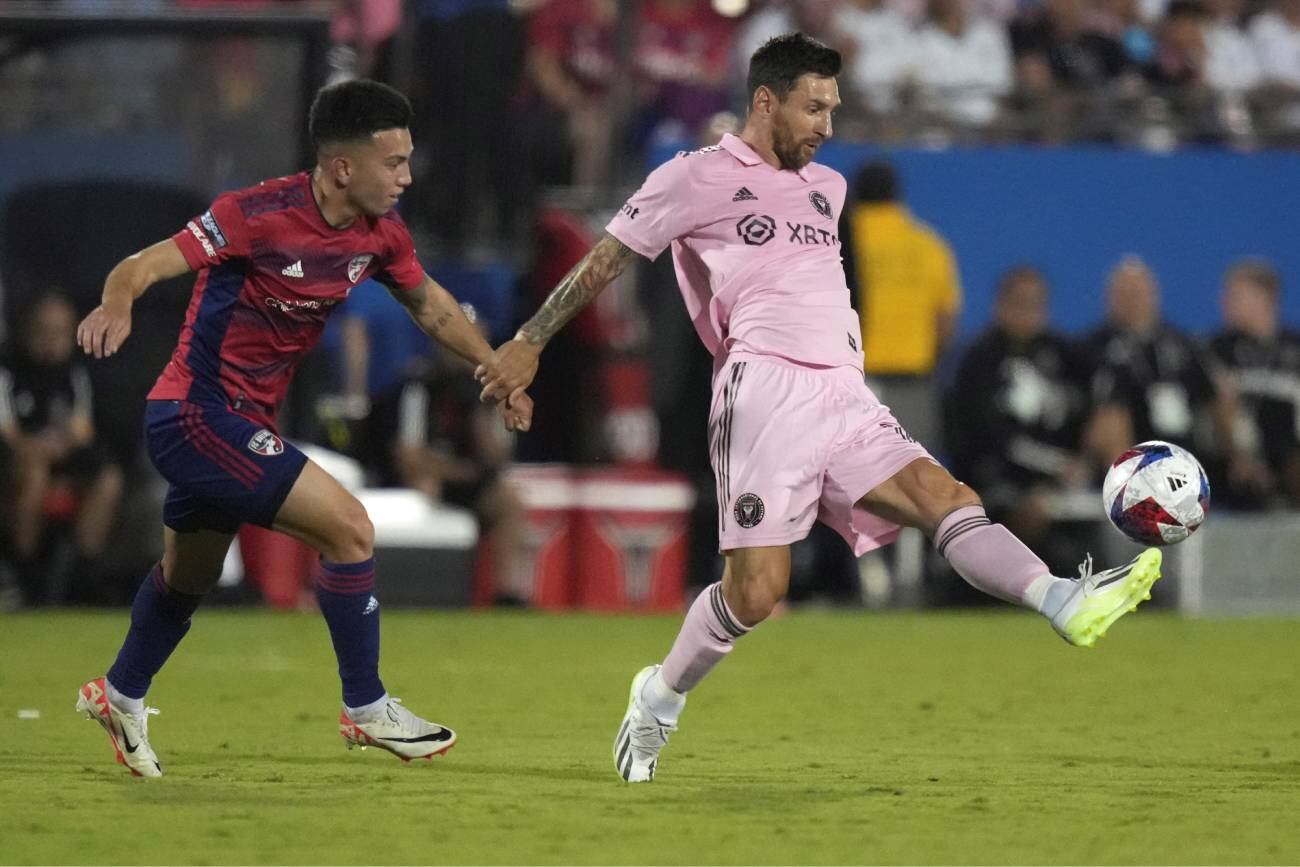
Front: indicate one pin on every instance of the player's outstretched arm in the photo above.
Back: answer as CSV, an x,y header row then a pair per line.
x,y
514,364
106,328
440,316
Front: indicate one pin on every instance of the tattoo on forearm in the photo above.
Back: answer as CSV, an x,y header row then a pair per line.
x,y
440,322
598,269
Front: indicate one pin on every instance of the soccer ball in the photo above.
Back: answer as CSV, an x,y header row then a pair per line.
x,y
1156,493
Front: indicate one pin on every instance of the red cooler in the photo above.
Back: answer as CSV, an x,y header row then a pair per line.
x,y
548,493
631,540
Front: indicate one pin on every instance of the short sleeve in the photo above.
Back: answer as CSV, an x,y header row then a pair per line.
x,y
217,235
401,268
658,213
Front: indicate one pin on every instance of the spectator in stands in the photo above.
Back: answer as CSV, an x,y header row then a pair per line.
x,y
680,56
817,18
1014,415
1150,381
1276,37
1262,361
1125,22
1178,71
469,57
367,28
56,468
1230,63
1065,71
962,64
430,433
877,44
904,280
569,69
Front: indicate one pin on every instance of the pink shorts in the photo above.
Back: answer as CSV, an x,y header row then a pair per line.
x,y
791,445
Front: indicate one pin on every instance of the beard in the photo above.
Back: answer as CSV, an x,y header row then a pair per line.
x,y
789,150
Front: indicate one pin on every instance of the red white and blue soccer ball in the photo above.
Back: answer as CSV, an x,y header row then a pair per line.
x,y
1156,493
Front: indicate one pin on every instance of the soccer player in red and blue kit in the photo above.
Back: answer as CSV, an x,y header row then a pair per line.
x,y
273,261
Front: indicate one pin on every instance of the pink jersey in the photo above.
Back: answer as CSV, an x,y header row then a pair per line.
x,y
756,249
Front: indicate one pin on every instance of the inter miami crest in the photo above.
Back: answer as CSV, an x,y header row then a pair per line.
x,y
357,266
266,443
749,510
822,204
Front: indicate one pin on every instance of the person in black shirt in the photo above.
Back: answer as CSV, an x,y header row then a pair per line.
x,y
1014,415
48,448
1151,381
430,433
1262,361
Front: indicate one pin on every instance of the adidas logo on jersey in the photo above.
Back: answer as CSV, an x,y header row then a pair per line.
x,y
294,270
744,195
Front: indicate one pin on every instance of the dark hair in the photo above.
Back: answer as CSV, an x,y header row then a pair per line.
x,y
876,182
1259,272
778,64
1017,274
355,110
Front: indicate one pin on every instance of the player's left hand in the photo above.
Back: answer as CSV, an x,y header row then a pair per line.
x,y
517,411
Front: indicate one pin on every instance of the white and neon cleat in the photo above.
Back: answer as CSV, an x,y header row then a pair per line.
x,y
399,731
641,736
129,733
1102,598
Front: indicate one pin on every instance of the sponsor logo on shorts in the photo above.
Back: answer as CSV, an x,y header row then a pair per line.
x,y
202,239
756,229
822,204
214,229
266,443
358,266
749,510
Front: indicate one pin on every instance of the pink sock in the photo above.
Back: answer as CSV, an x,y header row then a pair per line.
x,y
989,557
708,634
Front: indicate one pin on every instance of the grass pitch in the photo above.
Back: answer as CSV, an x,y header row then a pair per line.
x,y
827,738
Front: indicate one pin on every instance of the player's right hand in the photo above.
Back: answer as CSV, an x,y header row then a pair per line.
x,y
104,330
511,368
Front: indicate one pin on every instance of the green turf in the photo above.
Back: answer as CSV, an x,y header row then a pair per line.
x,y
828,738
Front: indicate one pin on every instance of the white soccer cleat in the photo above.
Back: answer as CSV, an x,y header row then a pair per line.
x,y
128,733
1100,599
641,736
399,731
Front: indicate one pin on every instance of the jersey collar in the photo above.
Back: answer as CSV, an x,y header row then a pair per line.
x,y
735,145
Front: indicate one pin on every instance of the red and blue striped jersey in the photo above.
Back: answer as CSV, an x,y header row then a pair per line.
x,y
271,271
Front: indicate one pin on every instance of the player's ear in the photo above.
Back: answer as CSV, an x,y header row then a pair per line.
x,y
764,100
340,169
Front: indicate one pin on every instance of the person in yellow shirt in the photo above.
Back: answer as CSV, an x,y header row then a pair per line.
x,y
904,280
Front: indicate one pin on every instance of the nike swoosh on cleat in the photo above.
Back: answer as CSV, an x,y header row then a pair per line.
x,y
443,735
130,747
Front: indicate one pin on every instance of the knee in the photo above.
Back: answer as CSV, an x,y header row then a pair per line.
x,y
753,596
354,539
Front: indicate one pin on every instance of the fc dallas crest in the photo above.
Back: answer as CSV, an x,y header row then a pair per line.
x,y
358,266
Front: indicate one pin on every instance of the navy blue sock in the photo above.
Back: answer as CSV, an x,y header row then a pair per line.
x,y
345,593
160,617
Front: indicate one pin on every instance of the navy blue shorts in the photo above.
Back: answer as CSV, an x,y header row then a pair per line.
x,y
224,470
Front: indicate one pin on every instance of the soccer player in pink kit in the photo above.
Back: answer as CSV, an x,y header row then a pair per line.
x,y
796,436
273,260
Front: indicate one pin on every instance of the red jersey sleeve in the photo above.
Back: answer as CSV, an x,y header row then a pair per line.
x,y
401,268
215,236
